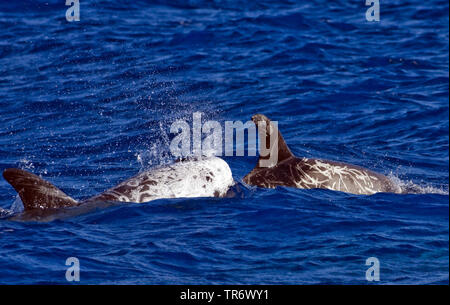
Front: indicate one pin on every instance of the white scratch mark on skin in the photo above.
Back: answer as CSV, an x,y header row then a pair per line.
x,y
335,177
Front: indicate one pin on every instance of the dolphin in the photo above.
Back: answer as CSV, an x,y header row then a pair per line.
x,y
305,173
203,177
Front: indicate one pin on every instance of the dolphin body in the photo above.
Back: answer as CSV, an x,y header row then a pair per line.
x,y
207,177
204,177
288,170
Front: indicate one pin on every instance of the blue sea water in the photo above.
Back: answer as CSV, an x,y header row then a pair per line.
x,y
87,104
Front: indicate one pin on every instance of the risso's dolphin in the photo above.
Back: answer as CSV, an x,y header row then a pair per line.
x,y
205,177
288,170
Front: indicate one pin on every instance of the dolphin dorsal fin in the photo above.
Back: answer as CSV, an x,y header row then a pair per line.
x,y
278,149
35,192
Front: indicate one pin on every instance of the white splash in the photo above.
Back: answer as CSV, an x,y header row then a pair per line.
x,y
410,187
17,206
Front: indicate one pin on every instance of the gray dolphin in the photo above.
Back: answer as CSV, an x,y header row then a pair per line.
x,y
305,173
204,177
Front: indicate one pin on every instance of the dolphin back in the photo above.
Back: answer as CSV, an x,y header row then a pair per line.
x,y
35,192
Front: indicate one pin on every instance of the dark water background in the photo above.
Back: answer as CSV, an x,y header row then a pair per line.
x,y
87,104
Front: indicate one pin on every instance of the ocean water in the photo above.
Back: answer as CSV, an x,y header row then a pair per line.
x,y
88,104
